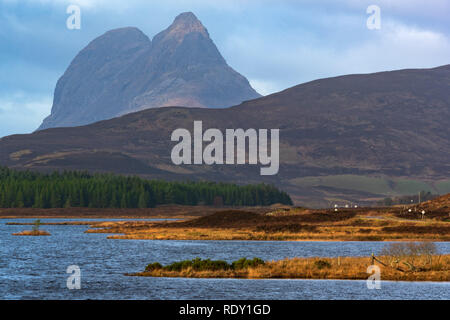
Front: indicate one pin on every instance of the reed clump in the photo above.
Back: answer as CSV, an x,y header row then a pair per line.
x,y
198,264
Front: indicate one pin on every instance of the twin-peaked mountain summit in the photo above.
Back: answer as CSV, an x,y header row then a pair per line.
x,y
124,71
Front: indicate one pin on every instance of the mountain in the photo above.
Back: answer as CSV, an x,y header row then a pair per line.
x,y
124,71
349,138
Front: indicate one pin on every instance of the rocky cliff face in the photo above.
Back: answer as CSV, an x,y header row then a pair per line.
x,y
123,71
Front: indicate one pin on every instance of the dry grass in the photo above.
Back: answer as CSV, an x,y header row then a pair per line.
x,y
32,233
359,228
351,268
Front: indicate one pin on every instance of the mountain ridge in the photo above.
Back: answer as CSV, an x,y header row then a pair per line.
x,y
388,124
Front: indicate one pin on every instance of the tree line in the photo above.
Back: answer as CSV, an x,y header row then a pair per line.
x,y
26,189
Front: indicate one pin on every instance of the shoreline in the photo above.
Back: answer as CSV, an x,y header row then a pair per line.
x,y
108,227
251,224
107,213
120,237
103,217
159,212
137,274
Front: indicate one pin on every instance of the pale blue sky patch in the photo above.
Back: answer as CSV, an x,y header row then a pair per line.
x,y
22,112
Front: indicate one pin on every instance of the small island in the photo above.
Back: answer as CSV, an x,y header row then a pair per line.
x,y
34,232
398,262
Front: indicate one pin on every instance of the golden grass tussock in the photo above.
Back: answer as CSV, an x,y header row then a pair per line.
x,y
351,268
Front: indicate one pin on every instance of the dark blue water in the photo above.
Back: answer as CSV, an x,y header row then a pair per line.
x,y
35,268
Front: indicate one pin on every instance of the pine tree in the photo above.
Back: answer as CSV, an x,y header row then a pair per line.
x,y
143,200
123,202
19,203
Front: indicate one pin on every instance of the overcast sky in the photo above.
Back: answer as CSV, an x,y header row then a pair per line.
x,y
275,44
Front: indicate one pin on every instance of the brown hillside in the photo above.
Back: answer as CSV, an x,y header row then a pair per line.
x,y
389,123
439,204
